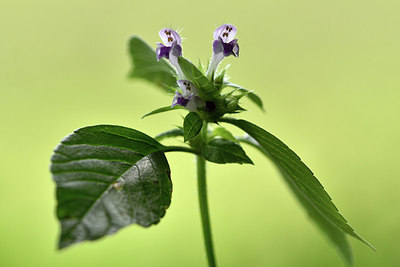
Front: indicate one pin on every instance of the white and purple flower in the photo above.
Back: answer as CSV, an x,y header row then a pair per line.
x,y
224,45
189,97
224,41
172,44
170,48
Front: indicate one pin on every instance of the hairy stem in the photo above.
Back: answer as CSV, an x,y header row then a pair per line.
x,y
202,191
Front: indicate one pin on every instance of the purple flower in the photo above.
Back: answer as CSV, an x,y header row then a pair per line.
x,y
189,97
224,42
224,45
170,48
179,99
172,44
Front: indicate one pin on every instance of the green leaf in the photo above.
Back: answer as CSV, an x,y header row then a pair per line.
x,y
252,96
337,237
201,67
145,65
224,151
219,80
224,133
169,134
191,126
161,110
194,75
304,184
108,177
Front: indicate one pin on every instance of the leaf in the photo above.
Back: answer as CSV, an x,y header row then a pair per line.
x,y
194,75
252,96
161,110
191,126
224,133
145,65
304,184
168,134
219,80
224,151
108,177
337,237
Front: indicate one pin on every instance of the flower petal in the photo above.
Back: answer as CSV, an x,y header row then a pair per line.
x,y
217,46
226,32
188,88
169,36
162,51
231,48
179,99
194,103
176,49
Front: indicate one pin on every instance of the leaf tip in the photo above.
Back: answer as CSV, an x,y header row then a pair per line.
x,y
357,236
249,161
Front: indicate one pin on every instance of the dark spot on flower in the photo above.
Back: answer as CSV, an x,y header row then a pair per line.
x,y
210,106
170,39
227,28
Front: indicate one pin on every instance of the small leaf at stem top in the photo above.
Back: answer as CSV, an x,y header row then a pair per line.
x,y
249,94
194,75
191,126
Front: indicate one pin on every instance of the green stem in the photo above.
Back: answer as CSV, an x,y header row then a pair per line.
x,y
180,149
205,217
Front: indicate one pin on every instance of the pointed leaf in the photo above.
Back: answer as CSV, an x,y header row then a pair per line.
x,y
161,110
191,126
224,151
224,133
336,236
145,65
300,177
219,80
108,177
194,75
250,94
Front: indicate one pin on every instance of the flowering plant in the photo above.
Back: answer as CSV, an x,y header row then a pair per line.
x,y
109,176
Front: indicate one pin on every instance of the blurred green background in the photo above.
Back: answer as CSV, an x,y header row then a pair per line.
x,y
328,72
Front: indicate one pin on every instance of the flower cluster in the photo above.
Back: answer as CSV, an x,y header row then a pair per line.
x,y
224,45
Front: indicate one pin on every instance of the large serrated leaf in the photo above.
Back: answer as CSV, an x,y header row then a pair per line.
x,y
108,177
304,184
204,85
224,151
191,126
337,237
146,66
